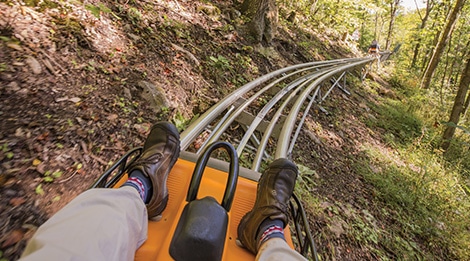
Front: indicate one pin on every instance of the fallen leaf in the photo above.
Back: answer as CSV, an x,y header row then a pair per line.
x,y
43,136
14,237
142,128
112,117
19,132
41,168
30,230
34,64
36,162
61,99
79,166
17,201
75,99
15,46
39,190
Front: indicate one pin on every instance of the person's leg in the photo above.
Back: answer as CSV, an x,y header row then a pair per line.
x,y
261,230
277,249
100,224
110,224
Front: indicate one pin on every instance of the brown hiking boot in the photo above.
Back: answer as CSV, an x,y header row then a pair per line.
x,y
275,188
160,152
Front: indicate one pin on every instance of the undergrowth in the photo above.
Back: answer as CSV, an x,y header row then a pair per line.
x,y
423,191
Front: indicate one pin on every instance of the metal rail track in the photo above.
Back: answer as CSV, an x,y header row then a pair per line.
x,y
267,113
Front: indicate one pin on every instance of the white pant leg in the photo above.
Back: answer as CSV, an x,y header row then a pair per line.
x,y
277,249
100,224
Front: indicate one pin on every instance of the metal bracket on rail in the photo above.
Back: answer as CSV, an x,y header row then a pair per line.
x,y
342,87
303,236
335,83
108,179
256,142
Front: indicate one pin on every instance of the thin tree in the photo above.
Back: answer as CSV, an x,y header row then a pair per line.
x,y
444,37
394,4
436,26
424,20
458,108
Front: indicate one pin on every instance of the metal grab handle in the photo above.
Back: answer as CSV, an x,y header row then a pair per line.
x,y
232,174
122,164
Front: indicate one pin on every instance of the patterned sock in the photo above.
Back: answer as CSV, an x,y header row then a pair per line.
x,y
140,182
270,229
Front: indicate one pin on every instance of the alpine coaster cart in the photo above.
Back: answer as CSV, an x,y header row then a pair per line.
x,y
209,196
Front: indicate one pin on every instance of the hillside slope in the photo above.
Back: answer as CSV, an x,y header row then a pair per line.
x,y
75,86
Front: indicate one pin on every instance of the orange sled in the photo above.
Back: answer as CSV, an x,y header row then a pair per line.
x,y
207,199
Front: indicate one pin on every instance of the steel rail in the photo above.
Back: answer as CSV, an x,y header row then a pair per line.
x,y
216,135
288,127
192,131
257,160
285,92
266,108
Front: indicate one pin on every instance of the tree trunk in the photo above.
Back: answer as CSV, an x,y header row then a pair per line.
x,y
393,11
424,20
436,56
447,73
458,107
263,15
376,28
430,50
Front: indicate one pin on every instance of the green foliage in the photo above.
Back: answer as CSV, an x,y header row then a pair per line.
x,y
451,124
327,15
220,62
87,89
398,120
39,190
50,176
425,196
9,155
126,106
237,71
427,199
458,156
305,180
364,229
96,10
181,122
6,150
134,14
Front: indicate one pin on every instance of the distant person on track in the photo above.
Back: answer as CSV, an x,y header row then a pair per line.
x,y
111,224
374,51
374,48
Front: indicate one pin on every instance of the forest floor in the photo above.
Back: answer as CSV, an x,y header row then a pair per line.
x,y
73,98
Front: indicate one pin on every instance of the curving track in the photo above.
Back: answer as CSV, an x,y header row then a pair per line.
x,y
263,118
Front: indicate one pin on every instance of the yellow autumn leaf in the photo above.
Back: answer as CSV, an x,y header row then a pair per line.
x,y
36,162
